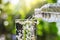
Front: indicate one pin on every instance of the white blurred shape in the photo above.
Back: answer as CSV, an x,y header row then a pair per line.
x,y
2,37
58,26
6,23
14,2
5,1
58,1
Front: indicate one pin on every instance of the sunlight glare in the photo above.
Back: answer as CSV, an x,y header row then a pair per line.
x,y
28,2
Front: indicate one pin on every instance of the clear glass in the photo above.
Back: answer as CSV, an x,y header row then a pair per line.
x,y
25,29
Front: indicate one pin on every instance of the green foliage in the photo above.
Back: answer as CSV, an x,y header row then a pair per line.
x,y
53,28
43,28
0,1
48,27
51,1
39,27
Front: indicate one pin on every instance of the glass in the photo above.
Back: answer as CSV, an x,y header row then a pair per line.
x,y
25,29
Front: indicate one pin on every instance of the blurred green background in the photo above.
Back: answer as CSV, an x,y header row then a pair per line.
x,y
23,9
